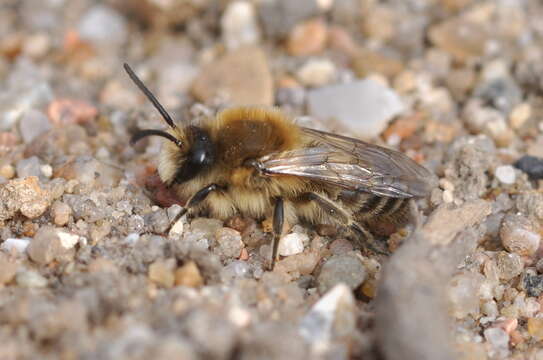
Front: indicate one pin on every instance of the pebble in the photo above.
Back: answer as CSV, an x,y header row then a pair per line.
x,y
68,111
241,77
101,25
519,236
235,270
509,265
292,244
535,328
157,221
24,195
307,38
533,284
7,171
189,275
28,167
506,174
520,115
463,294
332,317
239,25
317,72
37,46
531,165
497,338
30,279
502,93
177,229
464,40
344,268
303,263
46,170
367,62
278,17
51,244
341,246
364,106
15,245
33,124
89,171
161,272
8,269
229,241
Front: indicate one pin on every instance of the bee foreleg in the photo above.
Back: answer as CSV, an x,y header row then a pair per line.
x,y
196,199
278,220
344,217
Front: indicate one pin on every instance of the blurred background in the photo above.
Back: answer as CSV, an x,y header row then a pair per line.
x,y
84,270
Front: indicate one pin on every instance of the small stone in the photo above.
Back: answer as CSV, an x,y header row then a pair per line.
x,y
241,77
519,115
177,229
332,317
61,213
89,171
292,244
531,165
367,62
46,170
462,39
8,269
68,111
239,25
235,270
37,45
162,272
341,246
501,92
28,167
509,265
189,275
506,174
278,17
365,107
533,284
317,72
7,171
51,244
519,236
307,38
15,245
229,241
24,195
535,328
102,25
33,124
300,264
345,268
463,294
157,221
30,279
497,338
490,308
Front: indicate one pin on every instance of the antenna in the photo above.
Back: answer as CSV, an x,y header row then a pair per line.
x,y
149,95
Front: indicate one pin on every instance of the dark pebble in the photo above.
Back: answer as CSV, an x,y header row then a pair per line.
x,y
531,165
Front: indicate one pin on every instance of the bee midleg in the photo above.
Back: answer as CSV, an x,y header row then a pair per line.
x,y
278,220
196,199
343,216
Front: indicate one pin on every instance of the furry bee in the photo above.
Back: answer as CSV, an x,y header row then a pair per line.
x,y
256,162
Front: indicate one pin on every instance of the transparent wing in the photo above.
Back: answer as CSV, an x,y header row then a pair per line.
x,y
352,164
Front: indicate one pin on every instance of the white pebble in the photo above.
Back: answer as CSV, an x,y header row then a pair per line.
x,y
46,170
67,240
13,244
239,25
177,228
506,174
317,72
292,244
448,196
131,238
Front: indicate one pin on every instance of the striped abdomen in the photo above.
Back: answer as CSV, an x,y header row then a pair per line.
x,y
369,208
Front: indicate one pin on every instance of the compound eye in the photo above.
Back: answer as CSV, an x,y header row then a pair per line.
x,y
199,156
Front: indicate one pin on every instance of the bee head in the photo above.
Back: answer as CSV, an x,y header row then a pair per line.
x,y
189,151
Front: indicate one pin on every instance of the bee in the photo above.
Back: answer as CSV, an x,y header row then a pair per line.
x,y
256,162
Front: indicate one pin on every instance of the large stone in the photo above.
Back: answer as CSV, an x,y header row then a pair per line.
x,y
241,77
365,107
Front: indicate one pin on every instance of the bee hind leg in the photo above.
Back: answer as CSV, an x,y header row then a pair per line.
x,y
344,217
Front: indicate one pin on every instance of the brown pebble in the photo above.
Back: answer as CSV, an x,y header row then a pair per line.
x,y
161,272
237,223
244,256
341,246
69,111
60,213
307,38
102,265
8,269
340,39
405,126
7,140
188,275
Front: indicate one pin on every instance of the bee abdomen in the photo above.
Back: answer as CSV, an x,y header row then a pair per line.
x,y
380,206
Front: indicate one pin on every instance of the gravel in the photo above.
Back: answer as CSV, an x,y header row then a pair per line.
x,y
92,264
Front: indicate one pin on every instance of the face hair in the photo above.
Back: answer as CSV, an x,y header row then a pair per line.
x,y
152,132
150,96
